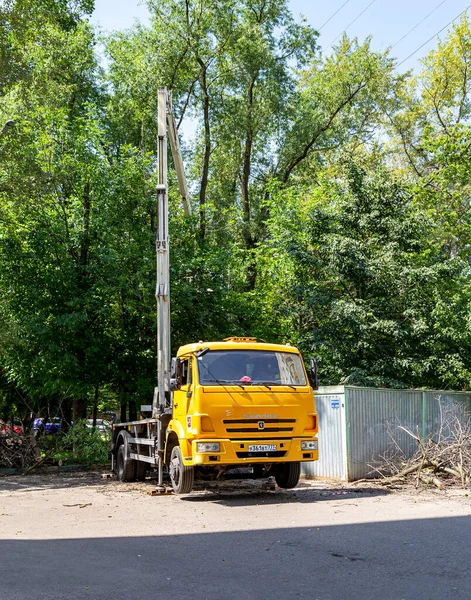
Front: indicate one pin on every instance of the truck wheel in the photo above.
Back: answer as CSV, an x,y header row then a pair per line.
x,y
141,470
182,477
287,475
125,467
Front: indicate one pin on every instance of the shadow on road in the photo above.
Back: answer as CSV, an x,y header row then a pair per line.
x,y
411,560
231,494
51,480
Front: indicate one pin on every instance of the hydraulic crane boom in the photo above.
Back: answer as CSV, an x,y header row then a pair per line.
x,y
166,123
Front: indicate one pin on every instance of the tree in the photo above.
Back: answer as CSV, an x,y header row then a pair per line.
x,y
433,138
368,292
51,180
311,224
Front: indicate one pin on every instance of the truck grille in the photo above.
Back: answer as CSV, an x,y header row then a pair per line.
x,y
252,425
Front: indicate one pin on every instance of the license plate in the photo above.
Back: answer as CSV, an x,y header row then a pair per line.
x,y
262,448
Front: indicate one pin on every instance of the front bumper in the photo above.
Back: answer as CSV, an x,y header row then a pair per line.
x,y
237,452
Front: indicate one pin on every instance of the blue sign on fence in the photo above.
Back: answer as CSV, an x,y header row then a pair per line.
x,y
335,403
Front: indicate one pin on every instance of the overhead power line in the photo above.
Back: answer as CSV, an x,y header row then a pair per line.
x,y
350,24
434,36
419,23
332,16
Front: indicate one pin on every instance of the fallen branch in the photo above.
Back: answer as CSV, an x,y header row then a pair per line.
x,y
441,467
402,475
431,480
441,459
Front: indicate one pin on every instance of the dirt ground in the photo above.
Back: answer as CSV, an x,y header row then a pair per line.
x,y
77,536
83,504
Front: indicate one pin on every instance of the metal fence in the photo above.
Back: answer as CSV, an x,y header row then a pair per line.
x,y
330,403
358,427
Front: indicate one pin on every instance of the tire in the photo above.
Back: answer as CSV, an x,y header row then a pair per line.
x,y
125,467
141,470
182,477
287,475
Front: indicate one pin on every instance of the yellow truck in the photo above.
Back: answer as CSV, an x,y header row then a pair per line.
x,y
237,408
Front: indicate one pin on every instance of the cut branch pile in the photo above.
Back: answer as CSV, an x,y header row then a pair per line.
x,y
17,451
440,461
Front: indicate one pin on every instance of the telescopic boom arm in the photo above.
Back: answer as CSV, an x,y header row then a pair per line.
x,y
166,123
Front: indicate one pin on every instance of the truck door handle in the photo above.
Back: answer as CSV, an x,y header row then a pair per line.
x,y
175,406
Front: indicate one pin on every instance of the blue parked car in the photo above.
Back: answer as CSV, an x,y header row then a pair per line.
x,y
51,426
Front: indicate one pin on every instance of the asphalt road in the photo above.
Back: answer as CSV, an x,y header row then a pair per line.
x,y
68,540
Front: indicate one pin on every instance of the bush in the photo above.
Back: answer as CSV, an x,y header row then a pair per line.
x,y
88,444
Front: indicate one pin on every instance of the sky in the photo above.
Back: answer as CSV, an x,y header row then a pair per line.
x,y
386,20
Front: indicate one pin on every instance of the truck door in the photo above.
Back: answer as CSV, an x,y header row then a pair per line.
x,y
182,397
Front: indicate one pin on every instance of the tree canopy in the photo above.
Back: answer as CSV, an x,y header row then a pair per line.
x,y
330,193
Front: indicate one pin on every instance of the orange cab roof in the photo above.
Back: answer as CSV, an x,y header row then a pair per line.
x,y
241,343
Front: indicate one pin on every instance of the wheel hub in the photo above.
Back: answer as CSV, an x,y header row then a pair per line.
x,y
175,470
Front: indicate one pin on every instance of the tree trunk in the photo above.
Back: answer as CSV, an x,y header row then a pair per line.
x,y
85,244
246,168
122,407
66,414
132,410
79,409
245,180
207,150
95,405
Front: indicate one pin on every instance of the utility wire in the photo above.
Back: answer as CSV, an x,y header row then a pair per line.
x,y
419,23
434,36
350,24
332,16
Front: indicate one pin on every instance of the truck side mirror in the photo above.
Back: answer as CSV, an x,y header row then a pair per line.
x,y
175,375
314,378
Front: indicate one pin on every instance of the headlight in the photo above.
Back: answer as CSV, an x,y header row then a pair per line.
x,y
208,447
309,445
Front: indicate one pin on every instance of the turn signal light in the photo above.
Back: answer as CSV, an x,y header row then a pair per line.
x,y
311,422
206,424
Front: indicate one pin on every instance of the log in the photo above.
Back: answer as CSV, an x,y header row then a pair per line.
x,y
400,477
393,479
431,480
437,465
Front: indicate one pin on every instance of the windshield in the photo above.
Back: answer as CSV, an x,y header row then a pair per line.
x,y
250,367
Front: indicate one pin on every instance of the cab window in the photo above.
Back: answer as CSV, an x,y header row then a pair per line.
x,y
186,372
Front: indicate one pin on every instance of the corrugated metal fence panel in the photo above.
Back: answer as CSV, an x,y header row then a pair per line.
x,y
442,409
360,427
332,444
373,416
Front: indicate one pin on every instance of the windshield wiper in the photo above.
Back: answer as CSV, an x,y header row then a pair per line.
x,y
224,382
270,383
267,384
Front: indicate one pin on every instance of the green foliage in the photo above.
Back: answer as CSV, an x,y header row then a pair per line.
x,y
341,103
85,444
330,195
366,288
433,132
